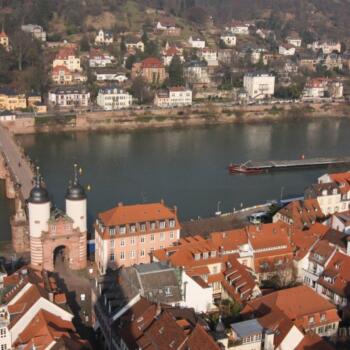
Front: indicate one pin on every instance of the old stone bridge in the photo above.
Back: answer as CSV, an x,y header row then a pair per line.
x,y
18,172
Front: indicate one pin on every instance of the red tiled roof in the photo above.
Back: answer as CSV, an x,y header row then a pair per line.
x,y
303,240
337,269
313,341
296,304
65,52
302,213
130,214
152,62
199,339
56,70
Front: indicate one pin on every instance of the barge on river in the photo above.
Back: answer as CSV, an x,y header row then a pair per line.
x,y
258,167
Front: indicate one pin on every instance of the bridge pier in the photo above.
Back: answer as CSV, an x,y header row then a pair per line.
x,y
10,188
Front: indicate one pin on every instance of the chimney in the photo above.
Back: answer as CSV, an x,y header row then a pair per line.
x,y
269,340
51,297
162,201
120,204
158,310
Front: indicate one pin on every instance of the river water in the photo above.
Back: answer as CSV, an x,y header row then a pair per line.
x,y
185,167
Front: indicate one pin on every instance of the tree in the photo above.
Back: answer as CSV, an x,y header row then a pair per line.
x,y
140,90
130,61
84,43
176,77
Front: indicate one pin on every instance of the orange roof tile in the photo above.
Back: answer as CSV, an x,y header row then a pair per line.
x,y
296,304
128,214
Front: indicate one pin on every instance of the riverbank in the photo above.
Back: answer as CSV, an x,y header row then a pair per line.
x,y
205,115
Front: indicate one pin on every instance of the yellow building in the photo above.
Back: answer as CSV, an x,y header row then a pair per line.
x,y
4,40
10,100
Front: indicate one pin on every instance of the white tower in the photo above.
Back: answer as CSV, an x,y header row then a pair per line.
x,y
39,207
76,203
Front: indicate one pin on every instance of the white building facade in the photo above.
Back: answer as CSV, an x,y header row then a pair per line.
x,y
259,86
113,99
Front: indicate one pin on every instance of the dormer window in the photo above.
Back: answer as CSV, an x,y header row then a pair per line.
x,y
112,230
172,223
132,228
122,230
153,225
205,255
143,227
162,224
323,317
197,256
213,254
311,320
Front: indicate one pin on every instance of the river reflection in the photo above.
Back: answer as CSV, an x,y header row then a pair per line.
x,y
185,167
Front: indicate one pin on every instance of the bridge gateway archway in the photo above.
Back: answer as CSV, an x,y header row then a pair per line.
x,y
61,257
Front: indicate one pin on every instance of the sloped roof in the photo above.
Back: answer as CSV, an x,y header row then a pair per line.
x,y
127,214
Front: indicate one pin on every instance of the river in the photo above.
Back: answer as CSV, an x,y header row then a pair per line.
x,y
185,167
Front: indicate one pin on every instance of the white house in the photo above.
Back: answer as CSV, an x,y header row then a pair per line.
x,y
294,40
326,47
210,56
104,37
196,42
239,28
69,96
259,86
286,50
36,31
68,58
134,44
173,97
110,74
100,59
229,39
111,99
196,295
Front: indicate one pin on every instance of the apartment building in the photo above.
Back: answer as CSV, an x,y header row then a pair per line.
x,y
173,97
259,86
69,96
12,100
127,234
112,98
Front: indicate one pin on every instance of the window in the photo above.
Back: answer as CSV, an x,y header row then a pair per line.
x,y
323,317
122,230
162,224
132,240
3,347
311,319
205,255
215,269
152,237
162,236
142,253
112,230
172,223
168,291
111,257
171,235
2,332
122,243
132,254
142,239
132,228
122,255
143,227
153,225
112,243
